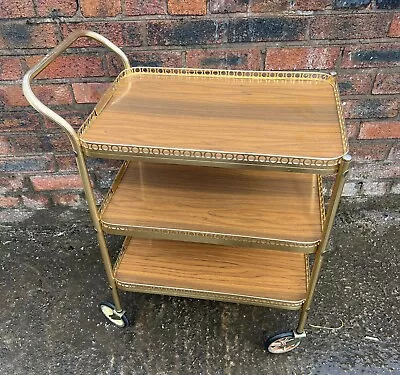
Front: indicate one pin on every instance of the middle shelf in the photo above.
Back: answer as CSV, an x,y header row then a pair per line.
x,y
245,207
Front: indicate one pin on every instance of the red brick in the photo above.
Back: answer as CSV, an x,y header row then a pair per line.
x,y
89,92
25,144
133,33
370,108
5,146
68,200
70,66
17,35
16,9
10,183
100,8
27,164
266,6
75,119
355,83
35,201
111,30
350,26
10,68
380,130
49,8
395,152
56,182
312,4
229,6
8,202
394,30
66,163
12,96
193,7
387,83
371,56
171,59
377,170
19,122
224,59
301,58
364,152
352,128
59,142
145,7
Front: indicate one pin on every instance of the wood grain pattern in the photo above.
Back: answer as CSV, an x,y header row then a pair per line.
x,y
287,118
195,267
243,202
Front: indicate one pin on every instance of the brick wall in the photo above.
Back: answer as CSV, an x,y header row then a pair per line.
x,y
357,38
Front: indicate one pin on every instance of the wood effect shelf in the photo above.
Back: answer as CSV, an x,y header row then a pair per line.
x,y
289,120
243,207
252,276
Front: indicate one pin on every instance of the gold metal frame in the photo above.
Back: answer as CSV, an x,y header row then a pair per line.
x,y
340,166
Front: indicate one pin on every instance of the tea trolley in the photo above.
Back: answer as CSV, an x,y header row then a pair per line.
x,y
220,191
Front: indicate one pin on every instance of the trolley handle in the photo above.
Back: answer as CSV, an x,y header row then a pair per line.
x,y
50,57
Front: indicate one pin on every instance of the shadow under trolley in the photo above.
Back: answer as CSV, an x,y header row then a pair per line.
x,y
220,192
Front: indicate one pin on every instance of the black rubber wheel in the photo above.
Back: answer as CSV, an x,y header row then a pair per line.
x,y
108,310
281,343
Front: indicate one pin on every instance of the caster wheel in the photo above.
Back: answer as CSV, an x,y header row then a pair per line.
x,y
282,343
118,319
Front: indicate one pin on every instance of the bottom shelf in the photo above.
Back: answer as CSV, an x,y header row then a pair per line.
x,y
241,275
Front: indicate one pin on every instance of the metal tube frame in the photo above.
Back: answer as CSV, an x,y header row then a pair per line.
x,y
322,247
74,139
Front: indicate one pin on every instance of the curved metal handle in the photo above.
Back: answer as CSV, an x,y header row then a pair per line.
x,y
51,56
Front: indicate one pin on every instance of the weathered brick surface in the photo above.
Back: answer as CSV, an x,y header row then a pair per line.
x,y
7,202
185,32
350,27
353,4
228,6
19,121
395,152
352,128
56,182
66,162
16,165
371,56
387,4
301,58
30,144
35,201
380,130
68,200
312,4
356,83
110,30
16,8
366,152
145,7
172,59
5,146
89,92
394,30
374,188
387,83
10,68
100,8
266,6
70,66
10,184
370,108
56,8
266,29
220,59
185,7
24,35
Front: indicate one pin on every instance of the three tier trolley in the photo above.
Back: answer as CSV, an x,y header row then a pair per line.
x,y
220,192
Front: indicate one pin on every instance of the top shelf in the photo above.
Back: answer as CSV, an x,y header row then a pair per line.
x,y
290,120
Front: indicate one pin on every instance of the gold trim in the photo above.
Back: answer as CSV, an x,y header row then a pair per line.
x,y
206,294
298,162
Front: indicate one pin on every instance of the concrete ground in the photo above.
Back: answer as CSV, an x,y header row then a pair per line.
x,y
52,279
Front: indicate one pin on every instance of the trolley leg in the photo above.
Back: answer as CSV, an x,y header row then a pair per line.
x,y
328,224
